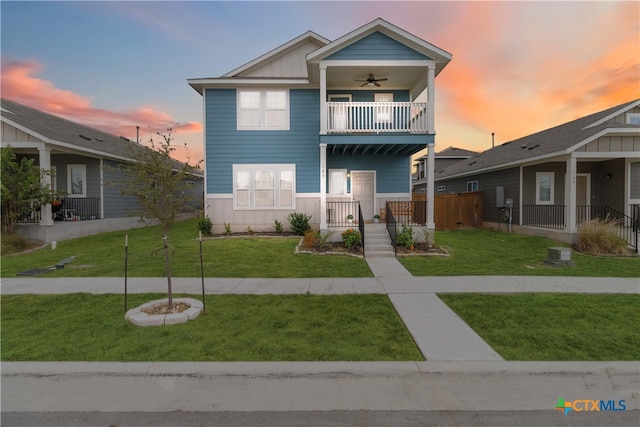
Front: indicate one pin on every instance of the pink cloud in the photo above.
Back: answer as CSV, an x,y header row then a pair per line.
x,y
20,84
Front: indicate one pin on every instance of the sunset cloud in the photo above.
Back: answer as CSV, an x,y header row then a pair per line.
x,y
20,84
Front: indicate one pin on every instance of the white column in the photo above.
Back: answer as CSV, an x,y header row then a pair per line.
x,y
323,187
431,147
323,99
431,95
44,153
570,195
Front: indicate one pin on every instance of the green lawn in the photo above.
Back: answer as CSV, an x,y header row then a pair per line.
x,y
489,252
554,326
82,327
103,256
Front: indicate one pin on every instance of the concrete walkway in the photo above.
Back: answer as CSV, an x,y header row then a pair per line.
x,y
462,372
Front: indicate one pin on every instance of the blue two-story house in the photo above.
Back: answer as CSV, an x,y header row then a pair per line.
x,y
322,127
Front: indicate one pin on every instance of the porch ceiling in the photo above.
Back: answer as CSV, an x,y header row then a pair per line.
x,y
405,77
360,149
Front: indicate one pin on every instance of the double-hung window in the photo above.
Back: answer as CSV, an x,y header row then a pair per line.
x,y
472,186
263,109
265,186
544,188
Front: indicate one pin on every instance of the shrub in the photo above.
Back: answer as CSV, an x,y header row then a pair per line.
x,y
227,229
600,237
310,238
277,226
299,223
205,225
250,230
405,237
321,239
351,237
13,243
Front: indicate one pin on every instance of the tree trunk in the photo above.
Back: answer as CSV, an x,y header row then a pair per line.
x,y
167,267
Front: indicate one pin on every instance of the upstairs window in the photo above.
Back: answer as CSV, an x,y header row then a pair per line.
x,y
633,119
263,109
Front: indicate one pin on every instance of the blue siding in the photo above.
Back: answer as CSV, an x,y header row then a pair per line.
x,y
392,173
369,95
225,145
377,46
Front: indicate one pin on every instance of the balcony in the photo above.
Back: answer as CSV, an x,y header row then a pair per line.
x,y
377,117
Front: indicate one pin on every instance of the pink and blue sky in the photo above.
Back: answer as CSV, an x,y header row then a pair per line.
x,y
517,67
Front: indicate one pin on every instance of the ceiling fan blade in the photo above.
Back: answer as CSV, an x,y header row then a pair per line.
x,y
381,80
364,84
377,84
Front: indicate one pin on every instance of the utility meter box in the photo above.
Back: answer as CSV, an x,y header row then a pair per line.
x,y
508,203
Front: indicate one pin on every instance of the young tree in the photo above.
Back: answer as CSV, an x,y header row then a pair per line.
x,y
21,187
161,186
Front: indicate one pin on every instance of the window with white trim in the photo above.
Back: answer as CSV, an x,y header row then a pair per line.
x,y
544,188
264,186
382,114
263,109
472,186
338,182
77,180
633,119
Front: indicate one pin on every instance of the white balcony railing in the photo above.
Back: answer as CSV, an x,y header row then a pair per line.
x,y
363,117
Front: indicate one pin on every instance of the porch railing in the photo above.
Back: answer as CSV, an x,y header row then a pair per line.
x,y
392,225
356,117
361,228
543,216
78,209
338,214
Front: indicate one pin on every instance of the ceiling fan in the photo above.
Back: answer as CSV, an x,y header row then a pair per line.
x,y
371,81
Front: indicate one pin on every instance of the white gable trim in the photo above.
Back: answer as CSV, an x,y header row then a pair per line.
x,y
387,29
278,51
615,113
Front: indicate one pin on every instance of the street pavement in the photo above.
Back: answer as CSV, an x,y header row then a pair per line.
x,y
461,373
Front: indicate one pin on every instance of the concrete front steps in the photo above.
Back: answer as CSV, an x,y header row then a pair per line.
x,y
377,243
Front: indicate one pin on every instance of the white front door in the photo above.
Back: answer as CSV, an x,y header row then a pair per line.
x,y
363,191
583,197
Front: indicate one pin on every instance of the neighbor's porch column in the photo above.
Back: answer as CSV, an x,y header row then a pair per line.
x,y
431,94
44,153
323,99
431,147
570,195
323,187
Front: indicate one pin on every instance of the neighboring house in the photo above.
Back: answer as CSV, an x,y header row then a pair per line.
x,y
321,127
82,163
443,159
600,154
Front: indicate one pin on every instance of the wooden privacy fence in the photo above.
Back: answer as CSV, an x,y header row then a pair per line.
x,y
453,211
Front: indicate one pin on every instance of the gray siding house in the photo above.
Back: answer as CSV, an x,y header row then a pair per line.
x,y
83,161
322,127
560,177
443,159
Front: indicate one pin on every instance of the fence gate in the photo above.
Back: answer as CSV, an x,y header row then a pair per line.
x,y
453,211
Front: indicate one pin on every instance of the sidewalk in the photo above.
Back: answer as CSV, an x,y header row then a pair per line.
x,y
462,372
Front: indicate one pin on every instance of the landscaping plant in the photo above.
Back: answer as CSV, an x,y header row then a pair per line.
x,y
161,186
600,237
299,222
405,237
351,237
205,225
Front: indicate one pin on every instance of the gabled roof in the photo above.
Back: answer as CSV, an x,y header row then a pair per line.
x,y
556,141
452,153
268,57
64,134
440,56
